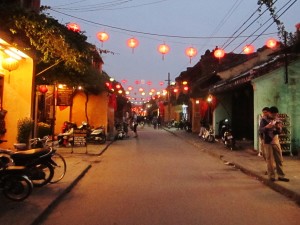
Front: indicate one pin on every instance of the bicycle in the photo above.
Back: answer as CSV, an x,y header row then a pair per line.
x,y
58,162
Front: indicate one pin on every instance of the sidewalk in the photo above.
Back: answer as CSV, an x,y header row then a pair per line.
x,y
247,160
32,209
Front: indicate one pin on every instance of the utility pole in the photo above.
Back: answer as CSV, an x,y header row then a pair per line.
x,y
169,98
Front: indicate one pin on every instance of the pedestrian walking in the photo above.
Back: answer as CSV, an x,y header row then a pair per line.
x,y
134,124
270,129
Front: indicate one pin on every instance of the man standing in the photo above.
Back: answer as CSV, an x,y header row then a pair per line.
x,y
270,129
264,117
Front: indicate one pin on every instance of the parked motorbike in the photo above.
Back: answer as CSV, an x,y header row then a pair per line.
x,y
207,135
187,126
97,135
57,160
37,163
227,135
121,134
14,184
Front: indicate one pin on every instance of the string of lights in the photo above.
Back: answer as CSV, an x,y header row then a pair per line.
x,y
152,34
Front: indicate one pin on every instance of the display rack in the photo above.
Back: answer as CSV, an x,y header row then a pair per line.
x,y
285,136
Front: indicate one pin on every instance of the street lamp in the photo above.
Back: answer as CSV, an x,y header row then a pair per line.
x,y
209,100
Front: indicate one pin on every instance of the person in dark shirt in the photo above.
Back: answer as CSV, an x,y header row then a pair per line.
x,y
270,129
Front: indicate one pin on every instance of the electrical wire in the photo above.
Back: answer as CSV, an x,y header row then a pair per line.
x,y
266,23
148,33
232,39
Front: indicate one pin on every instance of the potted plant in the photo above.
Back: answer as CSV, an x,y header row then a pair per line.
x,y
25,127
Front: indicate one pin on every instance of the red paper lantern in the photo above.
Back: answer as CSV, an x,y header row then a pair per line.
x,y
163,49
132,43
186,88
191,52
43,89
137,82
102,36
124,81
118,86
219,53
161,83
297,26
141,89
248,49
271,43
74,27
130,88
175,90
149,82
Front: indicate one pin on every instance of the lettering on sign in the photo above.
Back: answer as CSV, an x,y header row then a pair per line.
x,y
79,137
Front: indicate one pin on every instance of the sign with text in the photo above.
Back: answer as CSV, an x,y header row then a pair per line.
x,y
79,137
64,96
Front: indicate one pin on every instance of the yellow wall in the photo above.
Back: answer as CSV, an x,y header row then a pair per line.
x,y
97,109
17,96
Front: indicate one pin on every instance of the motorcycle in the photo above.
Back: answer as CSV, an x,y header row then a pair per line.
x,y
14,184
121,134
97,135
37,163
227,135
207,135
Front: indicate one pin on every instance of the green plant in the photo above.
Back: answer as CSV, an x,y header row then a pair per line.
x,y
44,129
25,127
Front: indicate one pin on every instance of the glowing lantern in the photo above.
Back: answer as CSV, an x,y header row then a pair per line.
x,y
271,43
10,64
118,86
152,90
186,88
43,89
124,81
130,88
137,82
175,90
248,49
161,83
132,43
219,53
163,49
74,27
102,36
191,52
141,89
149,83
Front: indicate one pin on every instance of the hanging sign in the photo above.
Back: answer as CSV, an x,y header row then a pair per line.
x,y
64,96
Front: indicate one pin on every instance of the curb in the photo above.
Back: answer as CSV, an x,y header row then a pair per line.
x,y
48,209
274,186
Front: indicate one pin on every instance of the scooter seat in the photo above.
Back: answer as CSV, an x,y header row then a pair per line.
x,y
31,153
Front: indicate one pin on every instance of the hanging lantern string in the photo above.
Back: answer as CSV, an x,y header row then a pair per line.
x,y
156,34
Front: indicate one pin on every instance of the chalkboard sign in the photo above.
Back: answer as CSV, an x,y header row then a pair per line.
x,y
64,96
79,137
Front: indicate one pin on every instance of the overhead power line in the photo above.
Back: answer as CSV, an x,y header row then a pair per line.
x,y
151,34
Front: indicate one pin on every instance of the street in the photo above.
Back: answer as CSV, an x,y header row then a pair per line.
x,y
159,179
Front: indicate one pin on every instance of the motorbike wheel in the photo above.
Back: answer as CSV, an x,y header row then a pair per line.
x,y
210,138
60,167
17,188
102,139
47,171
230,144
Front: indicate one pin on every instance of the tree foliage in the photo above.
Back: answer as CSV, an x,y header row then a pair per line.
x,y
61,55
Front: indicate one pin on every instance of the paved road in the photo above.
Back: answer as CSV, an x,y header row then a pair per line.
x,y
158,179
